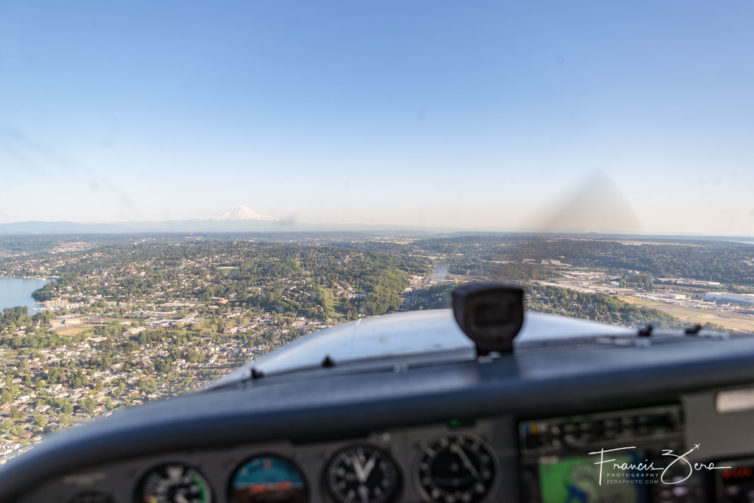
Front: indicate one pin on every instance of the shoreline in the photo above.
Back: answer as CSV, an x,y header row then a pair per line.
x,y
27,277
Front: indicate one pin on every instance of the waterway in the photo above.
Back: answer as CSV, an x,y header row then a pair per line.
x,y
17,292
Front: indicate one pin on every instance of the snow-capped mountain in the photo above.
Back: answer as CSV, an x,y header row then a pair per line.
x,y
243,213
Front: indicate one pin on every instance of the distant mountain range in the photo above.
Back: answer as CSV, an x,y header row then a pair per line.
x,y
179,226
239,219
236,219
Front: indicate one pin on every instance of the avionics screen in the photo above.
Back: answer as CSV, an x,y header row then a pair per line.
x,y
577,480
735,484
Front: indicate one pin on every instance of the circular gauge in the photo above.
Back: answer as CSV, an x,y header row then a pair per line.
x,y
456,468
173,483
91,497
267,478
363,474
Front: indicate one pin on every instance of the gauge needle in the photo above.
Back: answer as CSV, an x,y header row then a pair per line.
x,y
180,498
361,475
369,467
466,461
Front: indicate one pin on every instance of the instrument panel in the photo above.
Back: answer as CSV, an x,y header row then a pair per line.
x,y
453,462
548,460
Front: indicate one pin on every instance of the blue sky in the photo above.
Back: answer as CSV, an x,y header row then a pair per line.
x,y
490,115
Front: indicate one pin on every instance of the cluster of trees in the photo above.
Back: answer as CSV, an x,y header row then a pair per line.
x,y
707,261
316,282
36,333
725,262
432,297
595,306
501,270
313,281
38,340
14,317
31,244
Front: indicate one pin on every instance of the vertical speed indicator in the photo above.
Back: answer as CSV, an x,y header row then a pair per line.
x,y
456,469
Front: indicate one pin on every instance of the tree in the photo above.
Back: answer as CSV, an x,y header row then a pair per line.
x,y
44,318
88,404
40,420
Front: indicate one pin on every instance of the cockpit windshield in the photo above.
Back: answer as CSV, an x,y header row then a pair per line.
x,y
187,187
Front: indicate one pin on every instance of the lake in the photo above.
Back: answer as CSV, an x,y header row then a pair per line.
x,y
17,292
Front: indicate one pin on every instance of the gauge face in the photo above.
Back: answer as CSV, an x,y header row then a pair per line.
x,y
91,497
362,474
264,479
174,483
456,468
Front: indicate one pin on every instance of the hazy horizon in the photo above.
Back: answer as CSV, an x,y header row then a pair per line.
x,y
201,226
585,116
